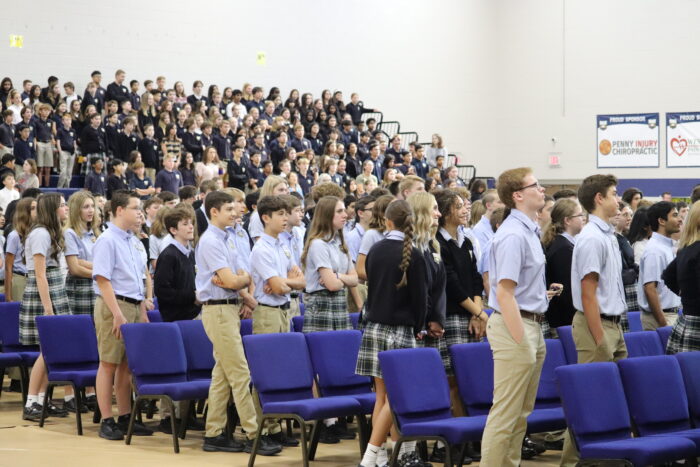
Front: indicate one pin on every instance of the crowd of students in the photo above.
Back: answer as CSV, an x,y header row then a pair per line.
x,y
422,257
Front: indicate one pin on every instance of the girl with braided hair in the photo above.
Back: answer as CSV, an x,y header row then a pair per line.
x,y
395,312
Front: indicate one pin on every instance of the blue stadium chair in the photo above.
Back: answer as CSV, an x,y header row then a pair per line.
x,y
281,372
643,344
298,323
355,320
334,357
664,334
635,321
599,420
246,327
154,316
653,413
421,406
566,337
690,368
548,390
198,350
14,360
9,337
158,363
69,348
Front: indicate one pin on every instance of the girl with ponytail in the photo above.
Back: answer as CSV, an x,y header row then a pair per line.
x,y
395,312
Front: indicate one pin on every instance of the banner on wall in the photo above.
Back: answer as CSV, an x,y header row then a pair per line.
x,y
683,139
629,140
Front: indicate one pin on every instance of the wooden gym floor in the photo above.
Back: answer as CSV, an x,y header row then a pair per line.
x,y
24,444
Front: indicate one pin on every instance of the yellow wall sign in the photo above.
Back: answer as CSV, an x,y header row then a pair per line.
x,y
261,59
16,41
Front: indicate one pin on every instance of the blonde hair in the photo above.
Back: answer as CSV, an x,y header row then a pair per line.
x,y
75,221
237,194
562,209
271,182
478,211
423,229
691,228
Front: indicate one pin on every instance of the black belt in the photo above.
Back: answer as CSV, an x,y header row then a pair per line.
x,y
294,295
20,273
225,301
615,319
671,310
537,317
281,307
133,301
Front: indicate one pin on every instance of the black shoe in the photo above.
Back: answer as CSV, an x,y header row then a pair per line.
x,y
109,430
527,453
266,447
537,447
54,411
195,425
222,443
165,427
554,445
473,450
438,455
70,406
326,436
283,440
340,430
15,386
33,413
410,459
138,430
91,403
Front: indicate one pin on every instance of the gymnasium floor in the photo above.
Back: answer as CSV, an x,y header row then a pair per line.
x,y
24,444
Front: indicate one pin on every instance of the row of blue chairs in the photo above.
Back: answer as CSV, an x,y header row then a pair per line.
x,y
14,353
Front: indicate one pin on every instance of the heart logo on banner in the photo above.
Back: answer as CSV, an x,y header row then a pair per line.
x,y
679,145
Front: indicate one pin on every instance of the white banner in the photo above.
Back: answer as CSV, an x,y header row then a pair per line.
x,y
683,139
630,140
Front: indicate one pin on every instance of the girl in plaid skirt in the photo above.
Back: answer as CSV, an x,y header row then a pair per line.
x,y
80,235
45,293
396,311
15,269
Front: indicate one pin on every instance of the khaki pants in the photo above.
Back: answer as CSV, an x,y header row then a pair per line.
x,y
111,349
612,349
362,290
267,320
66,162
649,323
151,173
19,281
517,369
294,309
230,374
5,150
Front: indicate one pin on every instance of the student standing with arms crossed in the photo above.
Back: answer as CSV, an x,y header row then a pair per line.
x,y
596,284
519,300
218,280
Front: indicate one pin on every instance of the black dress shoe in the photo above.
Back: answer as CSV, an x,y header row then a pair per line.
x,y
527,453
266,446
109,430
70,406
91,403
554,445
326,436
438,455
33,413
54,411
165,426
15,386
283,440
341,431
138,430
222,443
537,447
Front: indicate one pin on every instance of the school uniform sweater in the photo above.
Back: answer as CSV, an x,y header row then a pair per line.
x,y
173,284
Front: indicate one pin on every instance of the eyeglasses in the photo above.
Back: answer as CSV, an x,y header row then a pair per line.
x,y
577,215
534,185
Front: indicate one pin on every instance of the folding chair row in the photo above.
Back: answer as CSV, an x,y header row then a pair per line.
x,y
12,347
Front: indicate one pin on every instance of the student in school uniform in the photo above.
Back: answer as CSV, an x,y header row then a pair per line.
x,y
363,217
217,280
293,239
96,181
140,183
122,297
117,179
8,193
373,234
169,179
92,140
519,299
45,130
67,146
45,292
596,284
15,269
274,185
395,316
158,238
128,139
7,133
658,303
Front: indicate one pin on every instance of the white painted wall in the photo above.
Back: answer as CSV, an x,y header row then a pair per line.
x,y
498,78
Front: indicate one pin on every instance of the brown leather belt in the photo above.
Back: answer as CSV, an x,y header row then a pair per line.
x,y
537,317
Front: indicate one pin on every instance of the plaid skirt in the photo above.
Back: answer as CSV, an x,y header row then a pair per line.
x,y
31,306
685,336
546,330
456,332
81,295
326,311
377,338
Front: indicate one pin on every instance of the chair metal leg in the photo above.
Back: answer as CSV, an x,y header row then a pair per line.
x,y
448,454
132,419
423,450
24,381
44,408
304,441
315,435
289,429
171,408
395,453
254,451
184,418
2,378
363,434
78,404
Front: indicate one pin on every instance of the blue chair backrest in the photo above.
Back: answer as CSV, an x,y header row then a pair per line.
x,y
9,324
355,320
68,341
643,344
594,402
664,334
280,366
635,321
198,349
651,411
154,316
566,337
416,384
690,368
2,297
246,327
548,391
155,352
473,367
302,308
334,357
298,323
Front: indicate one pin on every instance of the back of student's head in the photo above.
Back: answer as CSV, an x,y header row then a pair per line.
x,y
592,186
166,196
31,193
378,192
187,192
639,228
691,228
251,200
424,231
658,211
564,193
22,218
695,195
215,200
46,216
400,214
378,220
326,189
497,218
